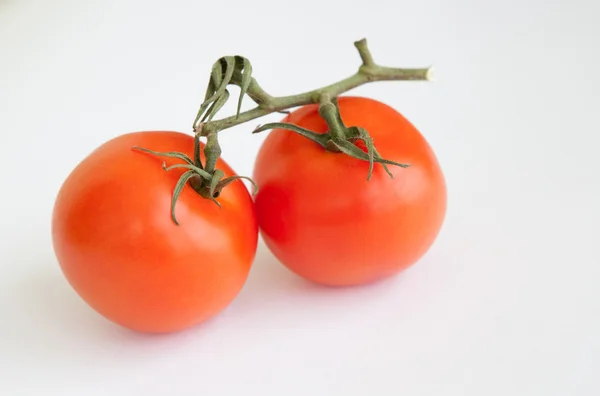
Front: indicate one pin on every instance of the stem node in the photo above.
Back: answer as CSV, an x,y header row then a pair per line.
x,y
364,52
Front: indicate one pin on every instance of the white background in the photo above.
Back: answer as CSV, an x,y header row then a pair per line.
x,y
506,302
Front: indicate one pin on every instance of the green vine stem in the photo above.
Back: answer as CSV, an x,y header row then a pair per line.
x,y
208,181
369,71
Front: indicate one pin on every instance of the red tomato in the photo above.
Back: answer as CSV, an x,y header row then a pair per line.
x,y
320,216
120,250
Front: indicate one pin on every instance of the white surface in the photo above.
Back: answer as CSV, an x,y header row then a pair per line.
x,y
507,301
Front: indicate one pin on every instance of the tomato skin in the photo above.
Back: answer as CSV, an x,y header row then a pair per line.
x,y
120,250
323,220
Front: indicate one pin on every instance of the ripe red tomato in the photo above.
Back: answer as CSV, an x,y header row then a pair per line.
x,y
320,216
120,250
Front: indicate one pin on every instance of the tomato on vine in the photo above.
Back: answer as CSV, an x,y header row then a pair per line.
x,y
132,258
324,220
157,239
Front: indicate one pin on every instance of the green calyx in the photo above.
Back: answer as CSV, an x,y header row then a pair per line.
x,y
339,138
225,71
207,181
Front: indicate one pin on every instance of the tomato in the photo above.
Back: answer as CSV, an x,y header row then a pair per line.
x,y
123,254
320,216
